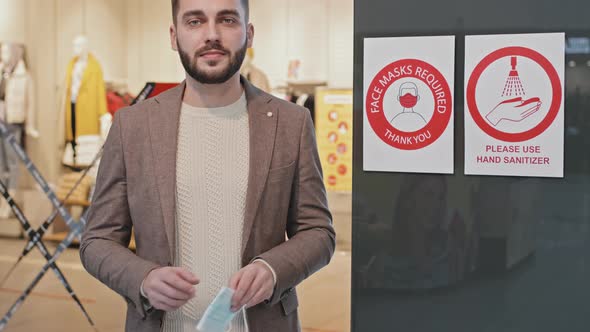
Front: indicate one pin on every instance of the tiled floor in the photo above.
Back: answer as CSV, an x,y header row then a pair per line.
x,y
324,298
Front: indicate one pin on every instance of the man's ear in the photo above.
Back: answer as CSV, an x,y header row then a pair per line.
x,y
250,34
173,39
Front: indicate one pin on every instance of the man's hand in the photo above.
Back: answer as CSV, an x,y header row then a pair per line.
x,y
252,284
515,110
169,288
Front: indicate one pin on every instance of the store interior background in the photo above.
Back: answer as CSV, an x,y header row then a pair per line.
x,y
131,42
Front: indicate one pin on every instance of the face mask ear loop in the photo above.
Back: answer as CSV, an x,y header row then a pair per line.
x,y
245,319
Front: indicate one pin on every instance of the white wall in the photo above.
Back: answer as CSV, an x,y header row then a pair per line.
x,y
104,22
317,32
149,54
41,51
12,26
307,35
270,38
340,43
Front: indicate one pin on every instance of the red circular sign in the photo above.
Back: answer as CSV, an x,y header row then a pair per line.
x,y
332,158
341,148
408,68
555,87
333,137
342,169
333,116
343,126
332,180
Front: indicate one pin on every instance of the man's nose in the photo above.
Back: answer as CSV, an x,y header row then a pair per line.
x,y
212,33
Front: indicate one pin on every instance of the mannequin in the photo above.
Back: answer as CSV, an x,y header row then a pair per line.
x,y
17,110
5,70
253,73
87,120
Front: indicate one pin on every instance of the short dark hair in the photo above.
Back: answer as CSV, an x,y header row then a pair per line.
x,y
175,4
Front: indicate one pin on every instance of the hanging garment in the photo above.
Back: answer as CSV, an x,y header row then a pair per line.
x,y
9,160
3,78
91,102
117,101
86,149
19,99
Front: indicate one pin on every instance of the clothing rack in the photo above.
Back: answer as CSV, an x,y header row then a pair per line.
x,y
76,227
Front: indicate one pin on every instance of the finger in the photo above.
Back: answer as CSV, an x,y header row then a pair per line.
x,y
243,286
179,284
257,284
168,302
254,288
529,112
261,281
532,108
187,275
233,283
171,292
161,306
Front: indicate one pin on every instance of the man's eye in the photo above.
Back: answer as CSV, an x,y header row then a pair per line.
x,y
194,22
229,21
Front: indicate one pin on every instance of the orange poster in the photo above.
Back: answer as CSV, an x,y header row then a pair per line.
x,y
333,121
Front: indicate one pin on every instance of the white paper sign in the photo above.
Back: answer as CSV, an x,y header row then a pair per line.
x,y
514,115
408,104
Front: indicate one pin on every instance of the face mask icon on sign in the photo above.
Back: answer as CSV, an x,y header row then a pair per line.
x,y
408,95
408,119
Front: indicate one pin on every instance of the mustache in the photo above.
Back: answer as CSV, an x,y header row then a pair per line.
x,y
210,47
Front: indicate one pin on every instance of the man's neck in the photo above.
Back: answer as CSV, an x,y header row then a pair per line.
x,y
201,95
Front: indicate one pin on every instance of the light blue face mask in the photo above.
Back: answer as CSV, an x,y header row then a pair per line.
x,y
218,316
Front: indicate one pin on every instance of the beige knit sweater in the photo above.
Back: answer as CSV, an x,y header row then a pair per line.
x,y
212,178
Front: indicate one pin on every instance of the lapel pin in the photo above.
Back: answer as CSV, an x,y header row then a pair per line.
x,y
269,114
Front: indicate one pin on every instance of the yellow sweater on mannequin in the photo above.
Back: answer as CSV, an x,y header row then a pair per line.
x,y
91,103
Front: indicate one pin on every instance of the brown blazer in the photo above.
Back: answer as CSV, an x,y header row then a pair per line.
x,y
136,188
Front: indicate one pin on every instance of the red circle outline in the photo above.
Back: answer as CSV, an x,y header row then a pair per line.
x,y
553,109
437,124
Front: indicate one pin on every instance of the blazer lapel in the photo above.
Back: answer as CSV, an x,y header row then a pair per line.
x,y
163,127
262,118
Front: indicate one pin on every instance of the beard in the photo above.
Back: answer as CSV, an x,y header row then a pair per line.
x,y
218,77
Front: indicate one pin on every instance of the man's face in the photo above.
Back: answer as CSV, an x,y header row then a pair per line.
x,y
211,37
408,95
